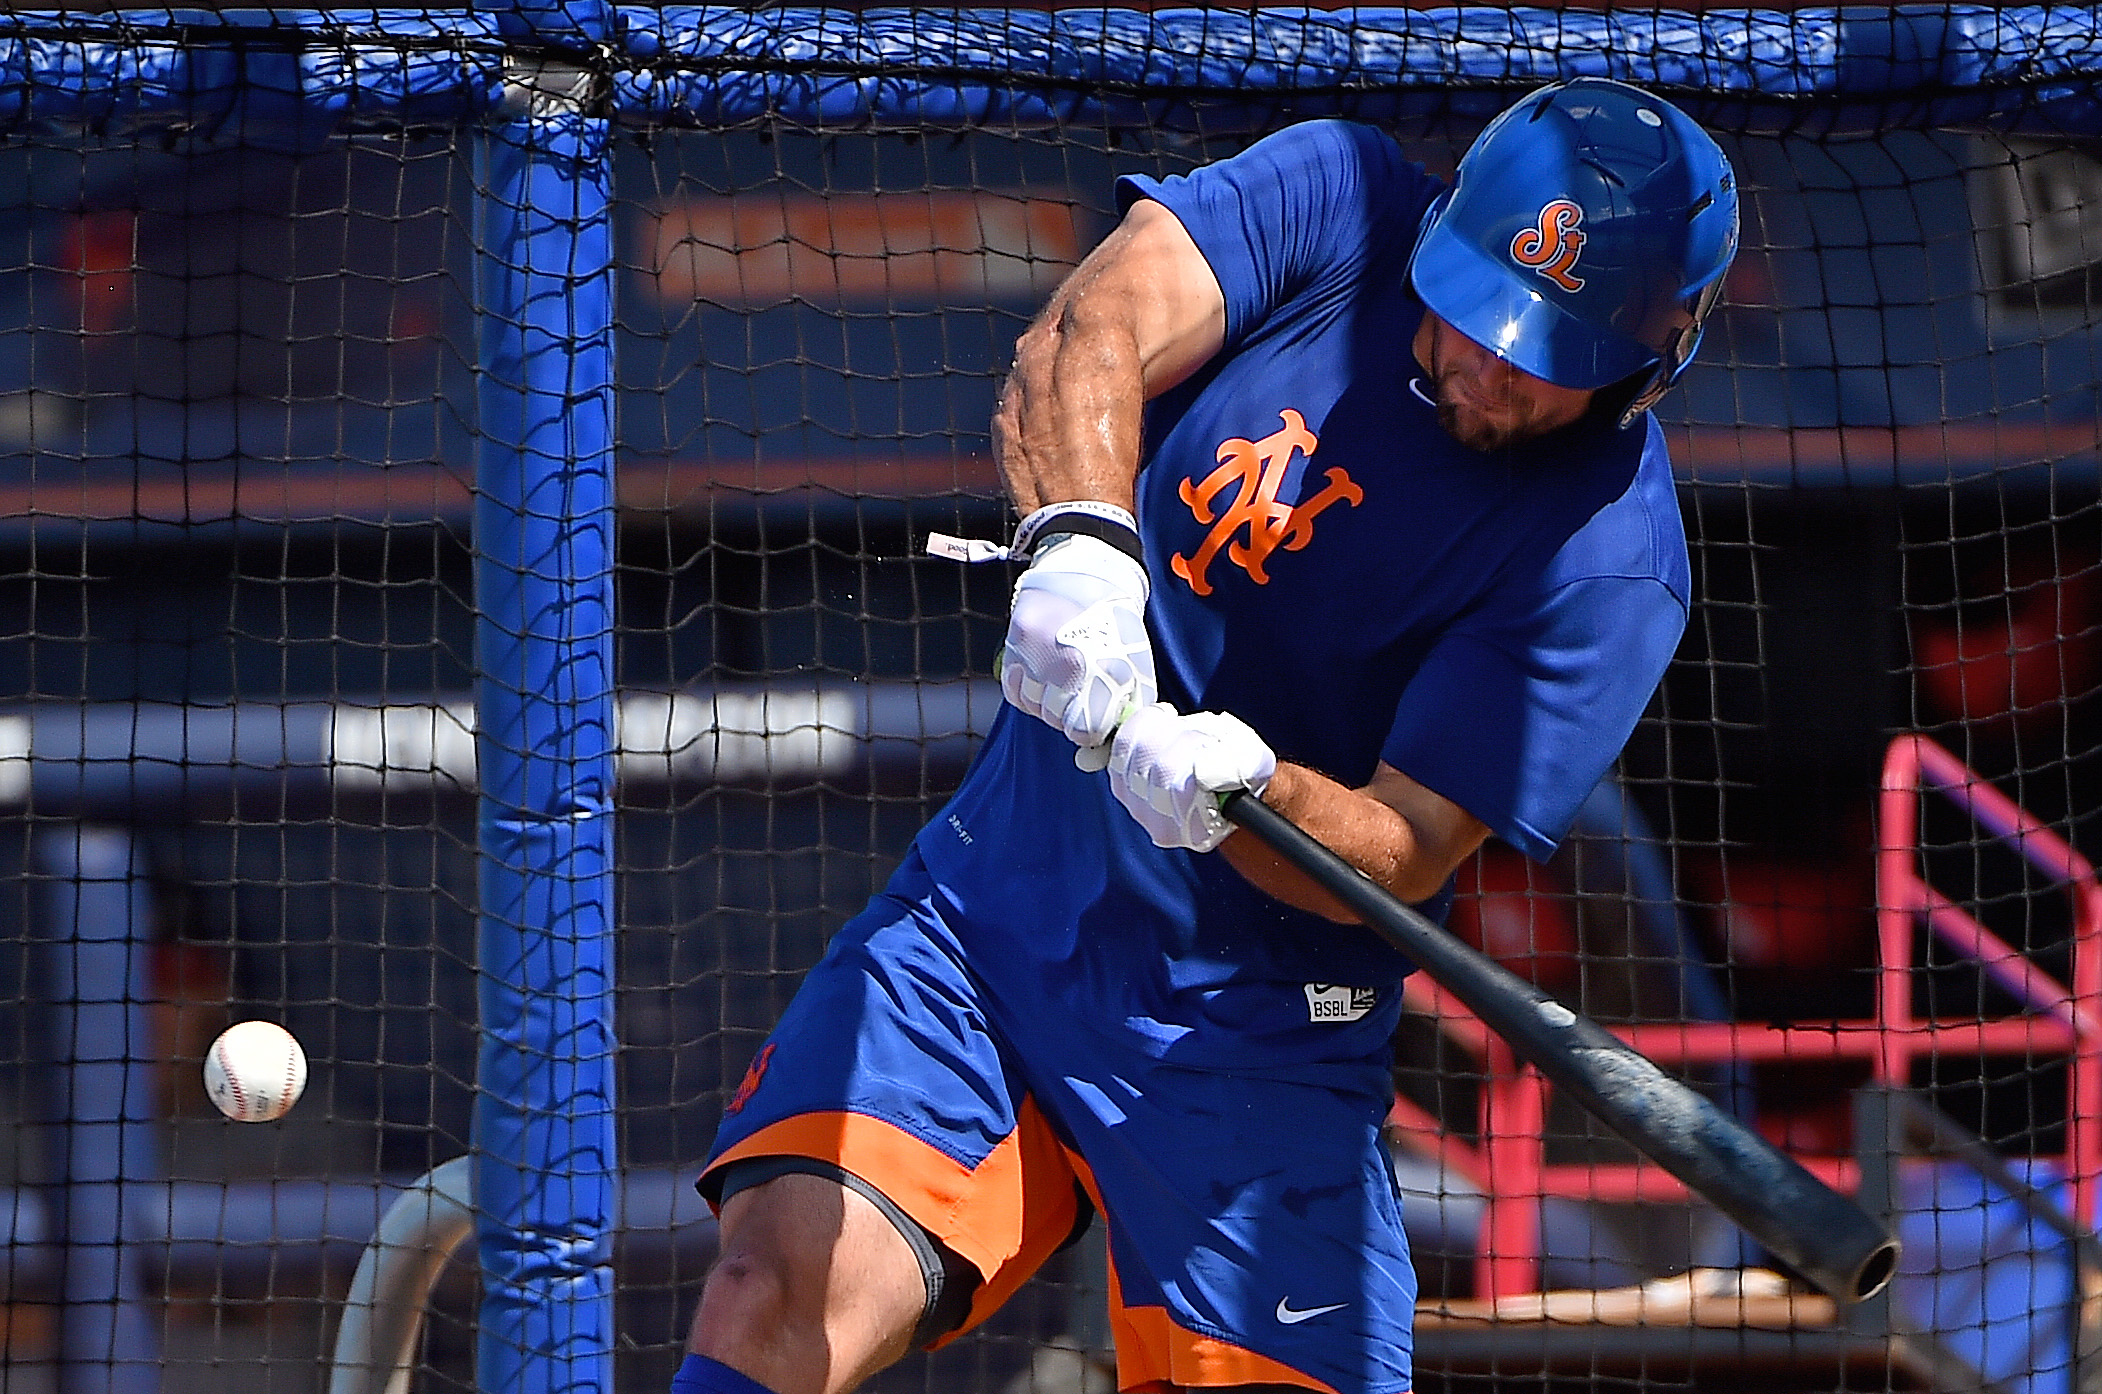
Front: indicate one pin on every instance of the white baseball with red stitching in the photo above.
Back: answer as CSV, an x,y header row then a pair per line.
x,y
255,1071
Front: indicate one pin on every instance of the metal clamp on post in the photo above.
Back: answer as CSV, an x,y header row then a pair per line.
x,y
540,87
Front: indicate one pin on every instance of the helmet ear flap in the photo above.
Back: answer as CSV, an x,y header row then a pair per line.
x,y
1677,353
1651,392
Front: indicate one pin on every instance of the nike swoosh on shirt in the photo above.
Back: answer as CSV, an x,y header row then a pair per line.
x,y
1290,1317
1416,386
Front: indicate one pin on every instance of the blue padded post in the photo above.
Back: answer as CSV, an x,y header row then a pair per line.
x,y
544,1161
93,932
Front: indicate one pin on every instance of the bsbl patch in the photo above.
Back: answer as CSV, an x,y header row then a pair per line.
x,y
1338,1002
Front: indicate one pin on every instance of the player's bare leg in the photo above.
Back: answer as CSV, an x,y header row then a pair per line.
x,y
814,1290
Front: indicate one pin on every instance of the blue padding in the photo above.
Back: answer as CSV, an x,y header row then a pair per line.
x,y
310,72
1739,68
576,23
544,1137
97,1091
147,70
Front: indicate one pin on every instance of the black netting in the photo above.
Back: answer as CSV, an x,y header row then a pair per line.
x,y
238,426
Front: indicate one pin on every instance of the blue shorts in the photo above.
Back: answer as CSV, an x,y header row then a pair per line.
x,y
1254,1224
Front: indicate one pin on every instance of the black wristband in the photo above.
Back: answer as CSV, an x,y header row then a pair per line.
x,y
1124,539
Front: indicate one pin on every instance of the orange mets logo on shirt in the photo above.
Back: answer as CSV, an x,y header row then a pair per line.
x,y
1551,246
1254,469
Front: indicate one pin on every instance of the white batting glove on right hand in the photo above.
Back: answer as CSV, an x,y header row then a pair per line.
x,y
1077,656
1169,770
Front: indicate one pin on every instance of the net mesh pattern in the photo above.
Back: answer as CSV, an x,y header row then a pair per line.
x,y
238,416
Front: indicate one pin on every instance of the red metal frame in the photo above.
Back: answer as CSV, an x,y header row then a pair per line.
x,y
1510,1166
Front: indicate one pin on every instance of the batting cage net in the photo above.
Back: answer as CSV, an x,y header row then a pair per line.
x,y
464,486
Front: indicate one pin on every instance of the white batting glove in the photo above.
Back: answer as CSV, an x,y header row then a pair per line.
x,y
1077,656
1169,770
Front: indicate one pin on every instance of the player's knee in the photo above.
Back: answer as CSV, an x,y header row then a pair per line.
x,y
749,1292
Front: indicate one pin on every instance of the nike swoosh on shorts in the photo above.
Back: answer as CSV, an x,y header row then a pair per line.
x,y
1289,1317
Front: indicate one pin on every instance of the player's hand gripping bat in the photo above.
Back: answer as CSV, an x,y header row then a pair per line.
x,y
1804,1223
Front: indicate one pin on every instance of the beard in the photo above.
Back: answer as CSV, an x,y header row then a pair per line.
x,y
1485,407
1473,429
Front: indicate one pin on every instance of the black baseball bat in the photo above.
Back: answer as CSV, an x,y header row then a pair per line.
x,y
1804,1223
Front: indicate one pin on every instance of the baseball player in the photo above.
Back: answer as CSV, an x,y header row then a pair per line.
x,y
1338,486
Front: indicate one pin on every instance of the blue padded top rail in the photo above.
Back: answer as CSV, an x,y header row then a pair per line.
x,y
315,72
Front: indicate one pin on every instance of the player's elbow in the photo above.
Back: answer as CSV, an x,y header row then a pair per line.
x,y
1423,864
1415,884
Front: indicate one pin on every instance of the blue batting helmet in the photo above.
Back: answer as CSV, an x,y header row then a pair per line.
x,y
1584,239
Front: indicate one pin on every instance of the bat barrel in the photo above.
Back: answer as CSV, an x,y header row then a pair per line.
x,y
1802,1222
1805,1224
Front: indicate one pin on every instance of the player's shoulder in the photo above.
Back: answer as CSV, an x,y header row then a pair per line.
x,y
1658,488
1349,155
1633,528
1337,138
1348,170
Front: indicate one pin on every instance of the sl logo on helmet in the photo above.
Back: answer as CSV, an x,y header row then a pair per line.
x,y
1550,247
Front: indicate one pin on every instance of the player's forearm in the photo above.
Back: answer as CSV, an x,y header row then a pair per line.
x,y
1069,418
1368,834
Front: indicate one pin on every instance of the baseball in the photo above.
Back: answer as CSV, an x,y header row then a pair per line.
x,y
255,1071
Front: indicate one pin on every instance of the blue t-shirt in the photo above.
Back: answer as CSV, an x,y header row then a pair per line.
x,y
1330,566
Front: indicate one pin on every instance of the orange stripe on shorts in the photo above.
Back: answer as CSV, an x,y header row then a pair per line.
x,y
1004,1217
